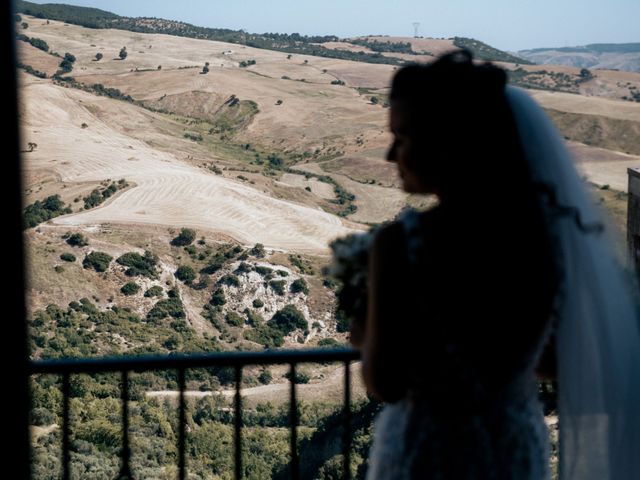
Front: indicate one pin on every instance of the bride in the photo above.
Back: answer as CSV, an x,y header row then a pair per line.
x,y
511,271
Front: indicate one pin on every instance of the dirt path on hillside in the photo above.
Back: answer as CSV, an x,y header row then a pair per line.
x,y
329,389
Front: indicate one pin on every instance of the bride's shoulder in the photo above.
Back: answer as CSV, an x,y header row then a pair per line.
x,y
408,227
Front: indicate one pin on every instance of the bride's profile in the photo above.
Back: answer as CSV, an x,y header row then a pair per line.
x,y
511,276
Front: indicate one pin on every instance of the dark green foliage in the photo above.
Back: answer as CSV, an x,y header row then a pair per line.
x,y
301,377
342,322
482,51
196,137
205,69
288,319
247,63
186,274
31,70
215,264
99,195
170,307
330,283
103,91
258,250
303,265
337,82
139,265
58,269
99,261
67,63
264,271
123,53
41,211
275,161
36,42
376,46
98,56
277,286
244,267
93,199
328,342
299,285
155,291
234,319
68,257
265,335
186,237
257,303
265,377
282,273
253,318
218,298
130,288
230,280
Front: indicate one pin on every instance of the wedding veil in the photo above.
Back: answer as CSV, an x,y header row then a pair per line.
x,y
598,332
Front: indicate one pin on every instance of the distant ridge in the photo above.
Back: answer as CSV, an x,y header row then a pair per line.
x,y
610,56
289,43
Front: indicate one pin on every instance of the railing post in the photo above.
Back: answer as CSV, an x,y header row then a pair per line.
x,y
238,423
66,459
293,408
346,445
125,471
182,433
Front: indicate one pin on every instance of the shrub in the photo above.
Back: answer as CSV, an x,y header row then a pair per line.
x,y
282,273
244,267
230,280
99,261
233,319
257,303
253,318
265,377
58,268
258,250
41,211
154,291
265,335
139,265
298,286
218,298
68,257
186,237
328,342
185,274
130,288
301,377
123,53
98,57
288,319
342,322
264,271
170,307
277,286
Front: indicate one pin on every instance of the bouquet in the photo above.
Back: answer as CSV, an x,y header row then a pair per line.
x,y
349,266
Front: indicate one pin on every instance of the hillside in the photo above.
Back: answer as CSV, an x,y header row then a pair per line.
x,y
605,56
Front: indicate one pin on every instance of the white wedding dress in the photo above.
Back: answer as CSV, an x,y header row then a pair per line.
x,y
460,431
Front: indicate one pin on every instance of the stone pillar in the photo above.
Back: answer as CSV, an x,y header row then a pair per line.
x,y
633,216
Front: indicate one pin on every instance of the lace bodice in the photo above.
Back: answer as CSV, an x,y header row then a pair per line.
x,y
457,423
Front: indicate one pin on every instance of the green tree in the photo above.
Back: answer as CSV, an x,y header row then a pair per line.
x,y
186,237
123,53
130,288
98,57
99,261
186,274
77,240
288,319
205,69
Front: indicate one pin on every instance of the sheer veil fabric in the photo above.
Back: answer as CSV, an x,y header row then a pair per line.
x,y
598,332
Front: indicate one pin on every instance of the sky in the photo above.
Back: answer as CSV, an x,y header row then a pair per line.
x,y
505,24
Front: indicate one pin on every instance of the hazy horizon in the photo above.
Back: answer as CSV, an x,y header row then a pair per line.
x,y
508,25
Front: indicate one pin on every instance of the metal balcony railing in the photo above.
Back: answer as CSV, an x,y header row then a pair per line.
x,y
181,363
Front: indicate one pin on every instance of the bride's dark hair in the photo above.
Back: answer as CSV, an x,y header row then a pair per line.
x,y
460,123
